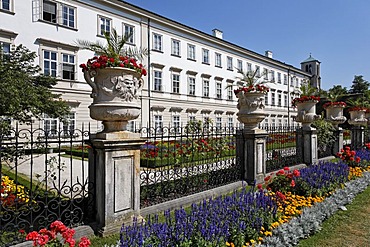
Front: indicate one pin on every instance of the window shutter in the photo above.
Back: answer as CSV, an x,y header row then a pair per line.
x,y
60,14
36,10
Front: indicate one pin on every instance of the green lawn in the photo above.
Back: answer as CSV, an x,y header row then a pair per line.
x,y
349,228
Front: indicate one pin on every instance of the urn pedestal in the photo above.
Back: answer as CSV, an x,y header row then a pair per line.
x,y
252,140
115,96
306,113
251,109
334,114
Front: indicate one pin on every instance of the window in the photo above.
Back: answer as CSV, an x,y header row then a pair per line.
x,y
191,118
265,74
58,60
50,63
273,123
50,126
285,100
205,87
157,80
218,123
129,32
249,67
5,4
279,99
258,72
240,65
191,52
218,59
266,99
285,80
273,98
229,63
158,123
54,12
104,25
176,123
5,50
54,127
230,92
272,76
175,83
230,122
191,85
68,14
68,67
69,124
218,90
279,77
175,47
205,56
49,11
157,42
292,81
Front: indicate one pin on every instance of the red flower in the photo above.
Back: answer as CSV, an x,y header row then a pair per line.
x,y
286,168
281,172
292,183
85,242
267,178
32,235
296,173
259,186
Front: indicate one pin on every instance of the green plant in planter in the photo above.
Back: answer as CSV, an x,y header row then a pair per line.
x,y
360,103
114,47
250,81
325,134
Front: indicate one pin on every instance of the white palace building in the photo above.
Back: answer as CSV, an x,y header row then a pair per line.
x,y
188,70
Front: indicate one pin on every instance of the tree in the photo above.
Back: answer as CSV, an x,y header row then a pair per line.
x,y
25,93
359,85
338,90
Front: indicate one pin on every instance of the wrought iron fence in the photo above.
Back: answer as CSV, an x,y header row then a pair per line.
x,y
180,161
281,147
41,181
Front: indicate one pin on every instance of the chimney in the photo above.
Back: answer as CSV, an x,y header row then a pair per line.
x,y
268,54
217,33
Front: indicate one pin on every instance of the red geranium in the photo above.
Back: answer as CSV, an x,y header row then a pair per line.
x,y
305,99
105,62
335,104
49,237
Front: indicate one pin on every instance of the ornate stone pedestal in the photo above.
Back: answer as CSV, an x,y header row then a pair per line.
x,y
307,145
114,171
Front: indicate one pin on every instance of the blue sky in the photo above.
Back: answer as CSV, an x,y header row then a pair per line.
x,y
336,32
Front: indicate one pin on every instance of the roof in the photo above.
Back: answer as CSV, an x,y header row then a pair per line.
x,y
226,43
310,59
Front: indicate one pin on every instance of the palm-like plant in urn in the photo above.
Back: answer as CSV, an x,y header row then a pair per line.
x,y
115,76
251,93
306,105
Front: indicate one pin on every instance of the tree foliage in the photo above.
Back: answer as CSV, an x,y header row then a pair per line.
x,y
359,85
25,93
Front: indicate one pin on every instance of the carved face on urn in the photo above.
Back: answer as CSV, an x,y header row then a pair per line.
x,y
126,87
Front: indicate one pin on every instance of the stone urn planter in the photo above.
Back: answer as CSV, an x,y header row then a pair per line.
x,y
357,117
251,109
115,96
334,114
306,113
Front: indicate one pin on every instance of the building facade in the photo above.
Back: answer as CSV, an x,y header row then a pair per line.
x,y
188,70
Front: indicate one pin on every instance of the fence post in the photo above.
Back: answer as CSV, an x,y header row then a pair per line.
x,y
307,145
114,171
338,144
252,153
357,137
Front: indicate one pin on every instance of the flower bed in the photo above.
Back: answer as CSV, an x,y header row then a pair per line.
x,y
275,215
247,217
